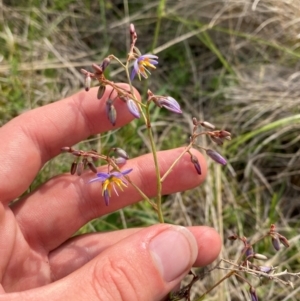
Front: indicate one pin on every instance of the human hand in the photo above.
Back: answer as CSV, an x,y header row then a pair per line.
x,y
39,260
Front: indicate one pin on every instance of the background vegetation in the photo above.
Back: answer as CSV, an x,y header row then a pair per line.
x,y
234,63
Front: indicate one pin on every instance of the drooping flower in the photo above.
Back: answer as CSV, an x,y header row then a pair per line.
x,y
110,181
142,63
169,103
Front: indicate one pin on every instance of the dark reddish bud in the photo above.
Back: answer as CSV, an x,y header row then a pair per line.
x,y
92,166
217,140
73,168
101,91
196,164
224,134
284,241
77,153
233,237
98,69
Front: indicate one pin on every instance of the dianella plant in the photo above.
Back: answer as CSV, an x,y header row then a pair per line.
x,y
138,66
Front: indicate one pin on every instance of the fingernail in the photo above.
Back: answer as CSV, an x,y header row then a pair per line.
x,y
174,251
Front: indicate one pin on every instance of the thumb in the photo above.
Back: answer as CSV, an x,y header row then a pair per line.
x,y
144,266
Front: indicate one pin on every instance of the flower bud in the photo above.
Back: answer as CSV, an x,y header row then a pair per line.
x,y
196,164
111,112
120,160
133,108
92,166
216,140
216,156
169,103
224,134
87,82
207,125
284,241
66,149
121,153
132,29
101,91
253,294
97,68
73,168
80,167
195,121
265,269
260,256
105,63
275,241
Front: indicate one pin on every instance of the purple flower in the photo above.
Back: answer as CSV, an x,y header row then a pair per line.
x,y
169,103
110,181
141,64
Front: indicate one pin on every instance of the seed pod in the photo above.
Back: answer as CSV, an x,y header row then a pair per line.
x,y
101,91
216,156
197,166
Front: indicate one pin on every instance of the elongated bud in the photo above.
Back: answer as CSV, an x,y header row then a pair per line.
x,y
275,241
132,29
80,167
196,164
284,241
133,108
217,140
216,156
87,82
66,149
265,269
111,112
169,103
195,121
120,160
73,168
260,256
92,166
101,91
207,125
97,68
224,134
253,294
120,152
105,63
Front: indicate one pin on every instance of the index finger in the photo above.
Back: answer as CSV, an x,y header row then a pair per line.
x,y
31,139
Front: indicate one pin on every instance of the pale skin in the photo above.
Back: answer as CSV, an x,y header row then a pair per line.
x,y
39,260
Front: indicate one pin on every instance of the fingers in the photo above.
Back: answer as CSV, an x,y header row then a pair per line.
x,y
69,200
81,249
36,136
144,266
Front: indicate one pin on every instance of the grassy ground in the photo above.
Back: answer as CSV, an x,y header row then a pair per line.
x,y
233,63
